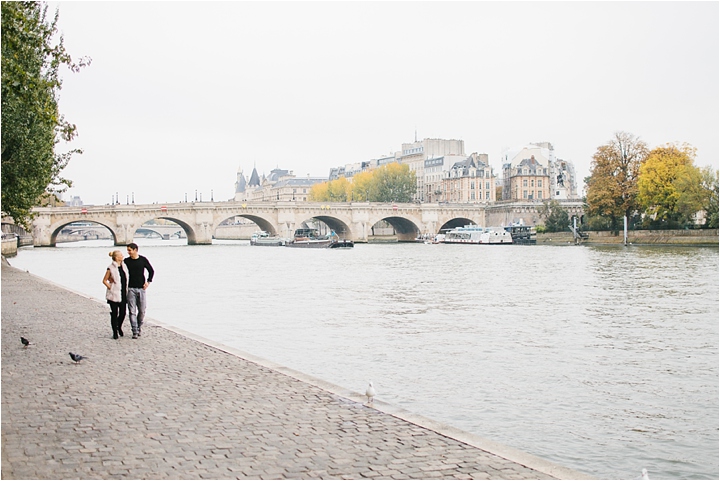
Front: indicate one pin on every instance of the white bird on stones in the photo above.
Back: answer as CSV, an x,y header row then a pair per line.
x,y
370,393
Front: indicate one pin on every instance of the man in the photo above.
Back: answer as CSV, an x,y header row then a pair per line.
x,y
137,285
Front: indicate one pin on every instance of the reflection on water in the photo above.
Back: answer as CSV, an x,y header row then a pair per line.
x,y
604,359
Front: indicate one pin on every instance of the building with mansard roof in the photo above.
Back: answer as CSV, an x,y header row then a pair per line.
x,y
470,181
532,172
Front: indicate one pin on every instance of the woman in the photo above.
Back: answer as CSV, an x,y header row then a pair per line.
x,y
116,281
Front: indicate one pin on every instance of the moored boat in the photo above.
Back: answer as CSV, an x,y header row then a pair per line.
x,y
310,238
474,234
522,234
262,238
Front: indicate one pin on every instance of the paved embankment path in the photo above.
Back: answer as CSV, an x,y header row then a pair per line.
x,y
169,406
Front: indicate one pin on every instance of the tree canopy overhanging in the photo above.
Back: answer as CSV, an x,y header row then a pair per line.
x,y
32,125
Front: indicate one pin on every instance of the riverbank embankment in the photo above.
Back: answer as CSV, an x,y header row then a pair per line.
x,y
171,405
679,237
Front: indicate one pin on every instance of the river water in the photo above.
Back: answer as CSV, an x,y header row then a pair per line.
x,y
602,359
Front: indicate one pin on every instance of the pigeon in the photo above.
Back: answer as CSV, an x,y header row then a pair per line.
x,y
77,357
24,341
644,474
370,393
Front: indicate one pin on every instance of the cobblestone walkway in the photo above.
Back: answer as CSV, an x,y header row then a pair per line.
x,y
169,407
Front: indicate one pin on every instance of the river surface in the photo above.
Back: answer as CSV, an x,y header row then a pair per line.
x,y
602,359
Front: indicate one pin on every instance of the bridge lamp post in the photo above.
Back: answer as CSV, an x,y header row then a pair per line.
x,y
133,197
117,198
212,196
195,195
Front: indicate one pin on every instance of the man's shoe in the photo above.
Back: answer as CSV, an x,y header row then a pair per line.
x,y
120,332
115,335
135,336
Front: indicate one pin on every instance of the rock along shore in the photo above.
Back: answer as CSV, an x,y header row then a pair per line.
x,y
171,405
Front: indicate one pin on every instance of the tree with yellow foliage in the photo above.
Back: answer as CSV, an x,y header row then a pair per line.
x,y
361,186
318,192
338,190
665,173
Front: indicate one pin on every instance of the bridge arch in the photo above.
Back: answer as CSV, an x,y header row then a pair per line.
x,y
56,228
407,227
262,223
184,224
455,222
341,227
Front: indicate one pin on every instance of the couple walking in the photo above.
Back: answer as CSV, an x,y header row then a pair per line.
x,y
126,285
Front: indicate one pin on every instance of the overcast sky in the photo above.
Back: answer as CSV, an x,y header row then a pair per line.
x,y
181,94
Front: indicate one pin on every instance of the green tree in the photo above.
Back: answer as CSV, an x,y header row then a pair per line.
x,y
612,186
666,172
697,191
555,217
393,183
31,123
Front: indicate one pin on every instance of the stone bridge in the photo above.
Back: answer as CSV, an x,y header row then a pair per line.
x,y
352,220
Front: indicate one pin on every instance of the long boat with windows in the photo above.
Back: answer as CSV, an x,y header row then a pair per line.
x,y
474,234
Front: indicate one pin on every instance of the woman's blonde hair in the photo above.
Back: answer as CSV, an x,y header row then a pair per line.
x,y
112,254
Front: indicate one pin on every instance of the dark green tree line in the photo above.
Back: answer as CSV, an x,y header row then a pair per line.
x,y
32,125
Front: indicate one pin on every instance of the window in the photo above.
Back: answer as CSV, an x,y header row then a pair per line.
x,y
524,182
487,195
487,185
472,186
539,182
525,194
539,194
532,183
472,195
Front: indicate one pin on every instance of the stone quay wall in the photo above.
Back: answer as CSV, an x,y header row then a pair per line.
x,y
688,237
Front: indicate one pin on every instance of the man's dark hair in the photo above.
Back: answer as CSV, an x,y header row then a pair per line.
x,y
133,246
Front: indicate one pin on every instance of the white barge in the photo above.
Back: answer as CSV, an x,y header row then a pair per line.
x,y
474,234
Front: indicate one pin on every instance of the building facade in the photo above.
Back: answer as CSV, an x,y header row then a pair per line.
x,y
416,153
532,172
469,181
